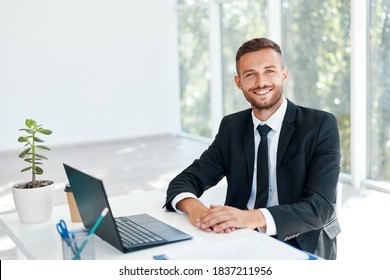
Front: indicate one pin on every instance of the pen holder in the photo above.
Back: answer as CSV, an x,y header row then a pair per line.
x,y
74,211
79,239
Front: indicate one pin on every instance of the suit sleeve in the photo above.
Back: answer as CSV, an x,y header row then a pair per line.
x,y
202,174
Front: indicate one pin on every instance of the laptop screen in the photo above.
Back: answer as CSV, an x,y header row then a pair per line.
x,y
91,199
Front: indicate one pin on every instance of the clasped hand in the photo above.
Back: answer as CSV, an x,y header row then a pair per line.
x,y
220,219
225,219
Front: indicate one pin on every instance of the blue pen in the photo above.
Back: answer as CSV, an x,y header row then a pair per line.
x,y
92,231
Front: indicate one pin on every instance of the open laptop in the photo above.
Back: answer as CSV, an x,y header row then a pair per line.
x,y
127,234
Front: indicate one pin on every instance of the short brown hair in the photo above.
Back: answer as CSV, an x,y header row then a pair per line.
x,y
254,45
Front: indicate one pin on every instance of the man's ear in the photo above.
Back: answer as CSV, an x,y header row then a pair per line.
x,y
285,75
237,80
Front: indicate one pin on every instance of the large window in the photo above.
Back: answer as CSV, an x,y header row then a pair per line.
x,y
379,90
194,68
316,40
316,47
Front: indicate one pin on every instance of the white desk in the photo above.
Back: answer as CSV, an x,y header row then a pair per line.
x,y
42,241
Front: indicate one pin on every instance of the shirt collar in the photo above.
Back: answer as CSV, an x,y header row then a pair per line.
x,y
275,121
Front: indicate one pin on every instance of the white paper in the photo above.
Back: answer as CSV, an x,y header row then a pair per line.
x,y
254,247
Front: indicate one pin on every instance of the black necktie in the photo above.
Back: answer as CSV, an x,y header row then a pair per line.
x,y
262,168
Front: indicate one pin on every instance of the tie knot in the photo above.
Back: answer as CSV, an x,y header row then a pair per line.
x,y
263,129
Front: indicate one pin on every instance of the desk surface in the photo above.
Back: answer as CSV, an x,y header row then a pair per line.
x,y
42,241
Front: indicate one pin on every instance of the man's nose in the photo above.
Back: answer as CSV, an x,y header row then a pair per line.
x,y
260,81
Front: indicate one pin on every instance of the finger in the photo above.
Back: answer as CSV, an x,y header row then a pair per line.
x,y
204,228
208,230
229,230
225,227
213,219
198,225
215,212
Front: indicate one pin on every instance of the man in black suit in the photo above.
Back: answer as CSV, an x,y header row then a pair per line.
x,y
303,144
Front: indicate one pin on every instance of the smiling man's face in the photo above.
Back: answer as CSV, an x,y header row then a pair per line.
x,y
261,76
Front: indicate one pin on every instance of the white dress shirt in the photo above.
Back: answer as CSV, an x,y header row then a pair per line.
x,y
275,123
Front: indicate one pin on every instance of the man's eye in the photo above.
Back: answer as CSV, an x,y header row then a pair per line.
x,y
249,75
269,71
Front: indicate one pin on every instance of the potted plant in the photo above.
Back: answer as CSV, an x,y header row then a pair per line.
x,y
33,199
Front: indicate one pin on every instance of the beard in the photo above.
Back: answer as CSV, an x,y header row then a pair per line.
x,y
265,104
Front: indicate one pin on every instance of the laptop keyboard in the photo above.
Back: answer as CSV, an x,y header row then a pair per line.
x,y
133,234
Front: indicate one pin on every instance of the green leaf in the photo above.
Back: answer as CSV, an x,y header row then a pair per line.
x,y
30,123
45,131
29,160
42,147
25,169
22,139
24,153
41,156
38,170
36,139
27,130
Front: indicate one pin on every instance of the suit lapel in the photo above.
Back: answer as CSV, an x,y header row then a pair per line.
x,y
249,145
287,131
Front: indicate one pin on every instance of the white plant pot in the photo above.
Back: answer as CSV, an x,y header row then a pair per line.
x,y
34,205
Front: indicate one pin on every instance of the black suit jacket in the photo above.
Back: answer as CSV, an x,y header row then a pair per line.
x,y
308,166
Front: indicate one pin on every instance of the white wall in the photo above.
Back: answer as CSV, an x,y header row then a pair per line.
x,y
89,70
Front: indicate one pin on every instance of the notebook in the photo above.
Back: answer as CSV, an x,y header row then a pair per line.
x,y
128,233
